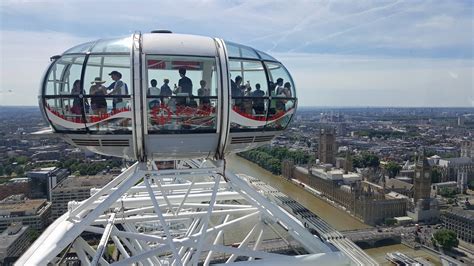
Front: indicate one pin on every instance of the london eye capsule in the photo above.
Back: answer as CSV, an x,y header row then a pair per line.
x,y
162,95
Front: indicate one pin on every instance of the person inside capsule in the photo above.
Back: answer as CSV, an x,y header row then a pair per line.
x,y
76,104
236,91
258,104
98,103
153,91
118,87
184,88
204,92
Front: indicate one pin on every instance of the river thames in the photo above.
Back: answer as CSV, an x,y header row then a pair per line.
x,y
337,218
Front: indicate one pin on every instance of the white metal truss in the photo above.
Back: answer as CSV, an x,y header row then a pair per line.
x,y
189,215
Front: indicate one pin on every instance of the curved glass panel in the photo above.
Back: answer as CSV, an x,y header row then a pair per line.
x,y
249,94
182,94
240,51
107,79
63,94
116,45
81,48
266,56
282,96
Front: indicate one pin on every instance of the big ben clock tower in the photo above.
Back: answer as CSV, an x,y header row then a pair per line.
x,y
422,181
423,208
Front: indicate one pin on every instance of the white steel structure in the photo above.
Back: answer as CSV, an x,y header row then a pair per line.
x,y
180,217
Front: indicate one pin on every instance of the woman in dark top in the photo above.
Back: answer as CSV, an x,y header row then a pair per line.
x,y
77,103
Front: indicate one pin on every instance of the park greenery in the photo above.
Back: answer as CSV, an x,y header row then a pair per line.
x,y
392,169
79,167
17,166
435,176
448,192
365,159
270,158
446,238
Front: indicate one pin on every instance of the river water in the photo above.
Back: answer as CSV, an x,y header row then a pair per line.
x,y
337,218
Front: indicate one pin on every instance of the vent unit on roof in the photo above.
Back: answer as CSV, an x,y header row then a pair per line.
x,y
161,31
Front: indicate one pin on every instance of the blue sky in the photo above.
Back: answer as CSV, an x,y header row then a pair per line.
x,y
340,53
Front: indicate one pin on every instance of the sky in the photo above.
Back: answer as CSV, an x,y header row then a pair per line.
x,y
340,53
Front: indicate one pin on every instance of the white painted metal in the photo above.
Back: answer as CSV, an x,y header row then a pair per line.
x,y
185,44
137,91
175,217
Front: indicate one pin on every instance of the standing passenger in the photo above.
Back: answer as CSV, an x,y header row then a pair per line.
x,y
118,87
153,91
258,104
247,103
204,92
278,86
76,104
165,89
185,85
98,92
236,92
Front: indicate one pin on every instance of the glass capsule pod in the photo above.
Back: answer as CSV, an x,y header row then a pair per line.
x,y
166,96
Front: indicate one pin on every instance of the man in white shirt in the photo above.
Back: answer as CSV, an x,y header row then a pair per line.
x,y
153,91
118,87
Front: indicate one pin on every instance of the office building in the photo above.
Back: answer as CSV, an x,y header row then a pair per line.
x,y
44,180
460,221
13,242
74,188
33,212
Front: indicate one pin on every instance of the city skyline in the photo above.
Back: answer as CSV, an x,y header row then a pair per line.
x,y
373,53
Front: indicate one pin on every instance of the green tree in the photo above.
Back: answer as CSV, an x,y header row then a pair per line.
x,y
19,170
435,176
393,169
21,159
366,160
357,162
83,168
8,170
390,221
447,192
446,238
470,185
371,160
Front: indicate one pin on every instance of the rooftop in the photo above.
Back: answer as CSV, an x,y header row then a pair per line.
x,y
43,170
7,239
21,205
395,195
73,182
397,184
469,214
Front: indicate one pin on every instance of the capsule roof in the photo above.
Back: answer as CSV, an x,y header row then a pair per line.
x,y
170,44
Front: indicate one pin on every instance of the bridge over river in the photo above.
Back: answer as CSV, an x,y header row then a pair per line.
x,y
366,238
